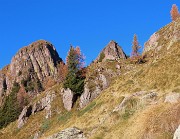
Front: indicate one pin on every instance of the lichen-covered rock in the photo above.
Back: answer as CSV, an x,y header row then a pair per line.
x,y
69,133
68,99
111,52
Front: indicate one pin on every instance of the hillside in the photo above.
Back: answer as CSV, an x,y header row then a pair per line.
x,y
121,99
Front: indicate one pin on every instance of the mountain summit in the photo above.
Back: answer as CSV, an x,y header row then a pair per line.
x,y
111,52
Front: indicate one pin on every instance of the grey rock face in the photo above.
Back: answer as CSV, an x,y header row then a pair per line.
x,y
35,63
112,52
68,99
26,112
90,94
44,103
40,57
177,133
69,133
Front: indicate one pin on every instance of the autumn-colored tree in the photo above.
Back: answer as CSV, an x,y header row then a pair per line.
x,y
22,97
174,12
135,46
62,71
75,63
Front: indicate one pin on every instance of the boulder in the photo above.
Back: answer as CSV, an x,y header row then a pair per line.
x,y
177,133
69,133
172,98
68,99
26,112
87,96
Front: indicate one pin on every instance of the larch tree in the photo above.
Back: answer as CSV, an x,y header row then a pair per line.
x,y
75,63
135,46
174,12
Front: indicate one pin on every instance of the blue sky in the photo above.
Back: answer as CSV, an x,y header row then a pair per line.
x,y
90,24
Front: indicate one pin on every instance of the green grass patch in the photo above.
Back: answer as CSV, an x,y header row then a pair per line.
x,y
45,125
65,117
87,109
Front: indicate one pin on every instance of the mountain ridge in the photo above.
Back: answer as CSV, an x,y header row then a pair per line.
x,y
120,99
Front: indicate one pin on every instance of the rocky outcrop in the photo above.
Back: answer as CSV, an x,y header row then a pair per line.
x,y
68,96
100,78
40,57
44,103
111,52
31,67
96,82
164,38
69,133
143,97
177,133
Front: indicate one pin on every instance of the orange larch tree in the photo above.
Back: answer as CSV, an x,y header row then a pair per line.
x,y
174,12
135,46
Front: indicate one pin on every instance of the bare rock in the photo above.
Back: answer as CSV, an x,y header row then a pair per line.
x,y
164,38
172,98
152,43
44,103
69,133
177,133
32,64
68,99
26,112
112,52
89,95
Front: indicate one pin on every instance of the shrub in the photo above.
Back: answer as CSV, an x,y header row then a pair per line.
x,y
102,56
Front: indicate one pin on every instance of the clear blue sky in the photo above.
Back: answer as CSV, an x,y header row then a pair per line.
x,y
90,24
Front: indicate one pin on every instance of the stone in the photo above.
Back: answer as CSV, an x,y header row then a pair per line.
x,y
177,133
104,80
44,103
172,98
87,96
69,133
118,66
26,112
68,99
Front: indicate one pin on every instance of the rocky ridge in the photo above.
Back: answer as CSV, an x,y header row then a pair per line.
x,y
164,38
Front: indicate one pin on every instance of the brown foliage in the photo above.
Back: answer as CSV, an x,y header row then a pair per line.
x,y
62,71
138,59
79,57
22,97
174,12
